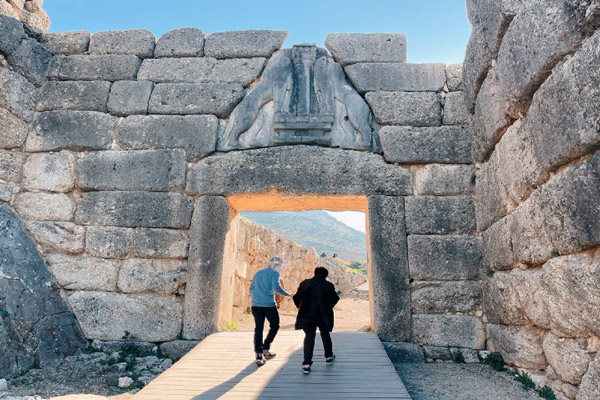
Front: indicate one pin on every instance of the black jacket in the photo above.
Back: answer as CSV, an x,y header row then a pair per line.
x,y
315,300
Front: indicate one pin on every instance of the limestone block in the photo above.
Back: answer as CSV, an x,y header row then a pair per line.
x,y
244,44
52,172
454,78
72,130
138,42
64,237
350,48
17,95
445,298
531,242
83,96
83,272
196,134
445,144
7,11
11,165
491,199
109,241
161,243
237,70
177,348
562,120
402,352
440,179
155,170
11,32
567,358
156,276
5,192
133,209
110,67
184,42
444,258
298,169
448,330
402,77
13,131
107,315
590,384
406,108
67,43
455,112
195,98
440,215
519,345
36,22
389,266
31,59
41,206
497,245
129,97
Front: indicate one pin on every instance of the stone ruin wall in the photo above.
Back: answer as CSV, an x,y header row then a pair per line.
x,y
29,12
532,84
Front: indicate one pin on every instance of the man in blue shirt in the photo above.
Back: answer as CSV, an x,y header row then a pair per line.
x,y
262,289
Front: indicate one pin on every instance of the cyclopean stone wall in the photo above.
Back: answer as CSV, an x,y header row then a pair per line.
x,y
29,12
532,82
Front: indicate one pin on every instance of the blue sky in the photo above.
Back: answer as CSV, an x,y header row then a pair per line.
x,y
436,30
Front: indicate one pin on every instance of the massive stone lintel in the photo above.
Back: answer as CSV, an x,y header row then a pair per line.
x,y
302,98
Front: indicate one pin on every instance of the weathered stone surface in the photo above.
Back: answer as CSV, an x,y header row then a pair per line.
x,y
13,131
132,209
109,241
439,179
445,298
402,77
455,112
402,352
238,70
177,348
209,227
41,206
244,44
138,42
184,42
83,96
37,327
156,276
83,272
298,169
67,43
497,245
155,170
64,237
388,255
147,317
31,59
590,384
11,31
441,258
454,79
448,330
11,165
519,345
566,356
406,108
196,134
161,243
440,215
72,130
195,98
17,95
129,97
5,192
407,144
49,171
490,197
99,67
351,48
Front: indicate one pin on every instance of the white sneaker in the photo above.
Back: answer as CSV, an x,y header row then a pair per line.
x,y
260,359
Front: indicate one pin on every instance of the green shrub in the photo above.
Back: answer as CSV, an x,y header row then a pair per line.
x,y
495,361
546,392
458,357
525,380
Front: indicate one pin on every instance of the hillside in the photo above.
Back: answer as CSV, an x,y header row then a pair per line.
x,y
315,229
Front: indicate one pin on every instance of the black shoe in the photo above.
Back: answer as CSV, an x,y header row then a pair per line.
x,y
260,359
329,360
306,369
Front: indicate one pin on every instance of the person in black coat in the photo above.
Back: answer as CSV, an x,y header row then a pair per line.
x,y
315,300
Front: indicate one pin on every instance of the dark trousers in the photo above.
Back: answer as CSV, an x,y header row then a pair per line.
x,y
272,315
309,342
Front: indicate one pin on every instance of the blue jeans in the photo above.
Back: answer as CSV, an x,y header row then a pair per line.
x,y
272,315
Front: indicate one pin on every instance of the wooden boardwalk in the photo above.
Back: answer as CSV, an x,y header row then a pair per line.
x,y
222,367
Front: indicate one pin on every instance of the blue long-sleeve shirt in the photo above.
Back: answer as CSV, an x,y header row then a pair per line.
x,y
263,288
